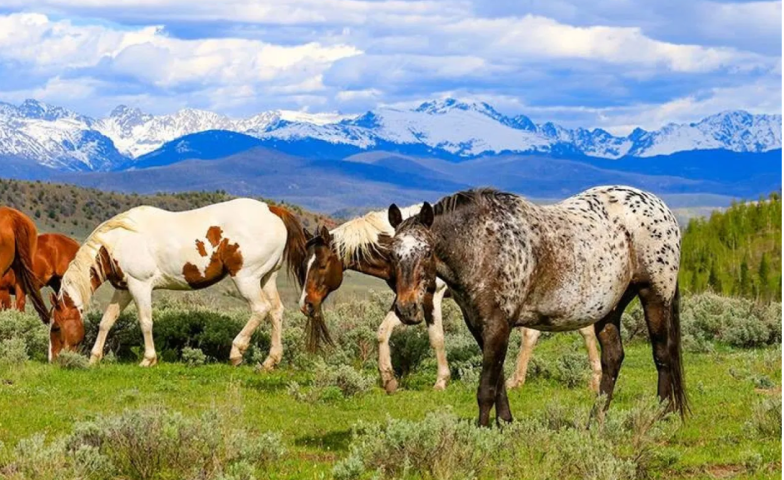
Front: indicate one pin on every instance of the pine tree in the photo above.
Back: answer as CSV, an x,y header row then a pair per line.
x,y
744,287
713,279
764,273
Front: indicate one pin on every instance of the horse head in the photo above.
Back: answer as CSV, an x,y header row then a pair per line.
x,y
414,264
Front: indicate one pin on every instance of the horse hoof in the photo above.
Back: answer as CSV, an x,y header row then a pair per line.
x,y
236,361
441,385
94,360
391,386
511,384
149,362
267,366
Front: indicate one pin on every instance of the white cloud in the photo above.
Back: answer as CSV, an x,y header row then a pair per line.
x,y
151,56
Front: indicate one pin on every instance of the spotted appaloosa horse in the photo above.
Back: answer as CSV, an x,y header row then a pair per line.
x,y
18,244
559,267
52,256
363,245
148,248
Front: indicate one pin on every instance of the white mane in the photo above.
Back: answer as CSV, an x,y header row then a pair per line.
x,y
76,279
358,238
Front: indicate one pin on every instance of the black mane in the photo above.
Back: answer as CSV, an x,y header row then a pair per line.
x,y
473,197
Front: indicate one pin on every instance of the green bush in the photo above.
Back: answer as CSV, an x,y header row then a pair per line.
x,y
147,444
572,369
28,327
332,383
193,357
555,445
13,351
735,321
71,360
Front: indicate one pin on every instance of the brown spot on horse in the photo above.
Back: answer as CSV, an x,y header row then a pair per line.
x,y
226,259
106,268
214,235
200,248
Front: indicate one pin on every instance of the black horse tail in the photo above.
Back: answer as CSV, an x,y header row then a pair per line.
x,y
678,397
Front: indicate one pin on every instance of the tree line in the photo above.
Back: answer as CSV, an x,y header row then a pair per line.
x,y
735,252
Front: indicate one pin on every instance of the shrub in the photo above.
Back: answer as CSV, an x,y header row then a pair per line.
x,y
13,351
145,444
333,383
571,369
766,417
734,321
555,445
193,357
28,327
71,360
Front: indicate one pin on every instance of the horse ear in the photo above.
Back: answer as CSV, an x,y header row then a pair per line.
x,y
307,233
426,215
395,216
325,235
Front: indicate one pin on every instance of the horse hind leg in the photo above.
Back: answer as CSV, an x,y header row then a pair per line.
x,y
21,298
250,289
270,289
662,318
608,332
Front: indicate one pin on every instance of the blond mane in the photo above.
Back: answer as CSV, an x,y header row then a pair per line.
x,y
357,239
76,279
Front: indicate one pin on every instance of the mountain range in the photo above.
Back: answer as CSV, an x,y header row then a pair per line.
x,y
331,161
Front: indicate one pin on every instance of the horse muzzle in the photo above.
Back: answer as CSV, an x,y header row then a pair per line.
x,y
410,313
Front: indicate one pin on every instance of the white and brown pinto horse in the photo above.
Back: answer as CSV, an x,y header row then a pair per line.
x,y
509,262
147,248
363,244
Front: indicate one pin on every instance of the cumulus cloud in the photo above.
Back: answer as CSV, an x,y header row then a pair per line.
x,y
607,64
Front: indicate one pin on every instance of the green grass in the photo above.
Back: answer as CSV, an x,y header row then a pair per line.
x,y
713,442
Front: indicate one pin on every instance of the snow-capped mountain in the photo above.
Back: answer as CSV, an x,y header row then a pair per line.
x,y
470,129
65,140
55,137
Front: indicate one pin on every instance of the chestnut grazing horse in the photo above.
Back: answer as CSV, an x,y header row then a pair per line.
x,y
52,257
363,244
509,262
18,244
147,248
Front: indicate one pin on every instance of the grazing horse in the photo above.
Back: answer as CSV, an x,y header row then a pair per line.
x,y
363,245
51,260
147,248
18,244
509,262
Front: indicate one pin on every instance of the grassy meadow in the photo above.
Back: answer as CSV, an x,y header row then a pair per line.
x,y
323,416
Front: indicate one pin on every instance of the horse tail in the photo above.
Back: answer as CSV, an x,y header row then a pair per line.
x,y
26,240
679,398
294,254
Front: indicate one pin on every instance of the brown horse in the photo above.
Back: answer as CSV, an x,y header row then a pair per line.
x,y
18,244
51,260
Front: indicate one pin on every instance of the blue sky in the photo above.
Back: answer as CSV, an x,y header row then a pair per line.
x,y
614,64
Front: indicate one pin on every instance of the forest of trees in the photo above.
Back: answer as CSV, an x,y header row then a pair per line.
x,y
736,252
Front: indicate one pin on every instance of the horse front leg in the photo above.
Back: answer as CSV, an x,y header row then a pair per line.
x,y
120,300
589,335
388,381
529,339
493,338
435,330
